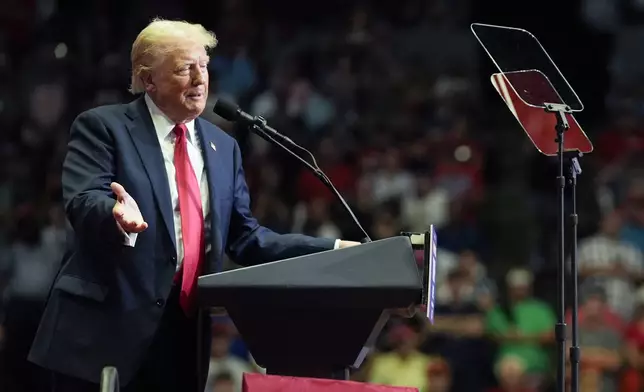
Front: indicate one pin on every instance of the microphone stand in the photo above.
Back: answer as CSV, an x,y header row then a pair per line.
x,y
261,129
575,170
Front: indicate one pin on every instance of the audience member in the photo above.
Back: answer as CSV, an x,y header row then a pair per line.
x,y
523,326
601,345
612,263
404,365
222,362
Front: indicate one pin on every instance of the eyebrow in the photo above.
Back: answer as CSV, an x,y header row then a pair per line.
x,y
187,60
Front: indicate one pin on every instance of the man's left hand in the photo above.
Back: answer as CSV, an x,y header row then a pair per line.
x,y
347,244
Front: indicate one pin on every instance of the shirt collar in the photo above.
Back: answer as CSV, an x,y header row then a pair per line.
x,y
163,125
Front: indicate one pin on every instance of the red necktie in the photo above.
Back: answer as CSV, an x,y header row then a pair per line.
x,y
192,222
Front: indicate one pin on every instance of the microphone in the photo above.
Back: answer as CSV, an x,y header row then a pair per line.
x,y
257,124
231,112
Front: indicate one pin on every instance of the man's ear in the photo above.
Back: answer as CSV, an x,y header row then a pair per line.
x,y
148,82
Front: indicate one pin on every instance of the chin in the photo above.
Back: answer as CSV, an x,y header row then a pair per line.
x,y
195,109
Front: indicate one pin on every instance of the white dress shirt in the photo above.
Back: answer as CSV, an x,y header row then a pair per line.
x,y
164,126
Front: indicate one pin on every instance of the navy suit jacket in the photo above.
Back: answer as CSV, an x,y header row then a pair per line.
x,y
108,298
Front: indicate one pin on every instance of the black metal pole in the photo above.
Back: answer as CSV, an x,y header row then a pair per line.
x,y
560,327
575,170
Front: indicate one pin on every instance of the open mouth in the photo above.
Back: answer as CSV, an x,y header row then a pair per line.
x,y
194,96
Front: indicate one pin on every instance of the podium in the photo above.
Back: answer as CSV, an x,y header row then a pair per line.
x,y
317,315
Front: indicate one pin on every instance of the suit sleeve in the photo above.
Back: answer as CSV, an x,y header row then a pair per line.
x,y
250,243
88,171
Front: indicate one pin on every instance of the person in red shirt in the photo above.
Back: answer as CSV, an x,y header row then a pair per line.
x,y
633,377
611,319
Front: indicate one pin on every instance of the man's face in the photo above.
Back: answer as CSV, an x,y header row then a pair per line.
x,y
612,224
519,291
178,83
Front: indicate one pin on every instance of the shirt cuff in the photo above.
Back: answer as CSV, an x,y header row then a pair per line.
x,y
129,239
337,244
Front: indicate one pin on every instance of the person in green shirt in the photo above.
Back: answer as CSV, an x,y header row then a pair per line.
x,y
523,326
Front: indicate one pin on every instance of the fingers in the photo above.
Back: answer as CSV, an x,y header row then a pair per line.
x,y
126,212
139,227
127,222
347,244
118,190
131,226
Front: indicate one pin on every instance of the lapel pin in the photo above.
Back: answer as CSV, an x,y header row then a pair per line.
x,y
212,145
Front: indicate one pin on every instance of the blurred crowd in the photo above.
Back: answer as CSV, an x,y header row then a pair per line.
x,y
390,99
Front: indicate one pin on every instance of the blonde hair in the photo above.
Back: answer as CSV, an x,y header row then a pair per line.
x,y
158,39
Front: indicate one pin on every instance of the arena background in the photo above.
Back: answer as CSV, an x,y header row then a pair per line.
x,y
395,101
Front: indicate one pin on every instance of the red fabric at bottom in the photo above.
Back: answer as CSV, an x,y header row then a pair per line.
x,y
254,382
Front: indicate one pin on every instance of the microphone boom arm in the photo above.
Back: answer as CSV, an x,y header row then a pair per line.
x,y
261,129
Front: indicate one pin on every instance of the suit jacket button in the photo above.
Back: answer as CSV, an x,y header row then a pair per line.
x,y
160,302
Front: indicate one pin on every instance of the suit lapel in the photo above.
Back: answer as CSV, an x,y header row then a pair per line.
x,y
147,144
212,164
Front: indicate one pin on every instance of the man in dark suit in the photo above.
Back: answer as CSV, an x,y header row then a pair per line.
x,y
156,196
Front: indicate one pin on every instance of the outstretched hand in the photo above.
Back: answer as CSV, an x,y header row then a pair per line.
x,y
126,211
